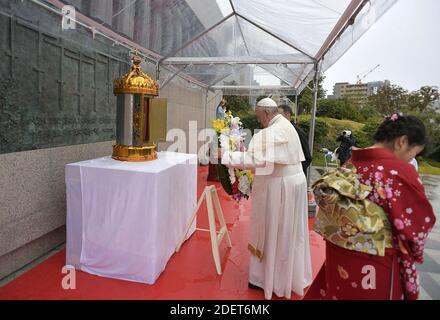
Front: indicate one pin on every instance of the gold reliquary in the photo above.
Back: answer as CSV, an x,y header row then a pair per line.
x,y
141,117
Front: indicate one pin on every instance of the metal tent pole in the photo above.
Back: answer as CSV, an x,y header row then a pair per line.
x,y
296,107
157,72
313,121
205,111
235,61
165,83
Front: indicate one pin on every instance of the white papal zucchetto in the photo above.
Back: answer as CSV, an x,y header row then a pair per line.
x,y
267,103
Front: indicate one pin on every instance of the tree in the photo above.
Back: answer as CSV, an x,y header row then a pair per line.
x,y
389,99
368,112
259,98
237,104
431,119
423,99
321,131
338,109
370,129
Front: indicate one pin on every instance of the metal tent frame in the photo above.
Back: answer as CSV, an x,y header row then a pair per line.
x,y
347,29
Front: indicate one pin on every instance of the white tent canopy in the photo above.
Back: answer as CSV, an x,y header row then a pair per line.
x,y
241,47
250,44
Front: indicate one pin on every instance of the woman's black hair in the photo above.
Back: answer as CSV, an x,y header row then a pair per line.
x,y
397,126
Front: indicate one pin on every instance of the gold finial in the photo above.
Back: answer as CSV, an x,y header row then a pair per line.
x,y
136,59
136,81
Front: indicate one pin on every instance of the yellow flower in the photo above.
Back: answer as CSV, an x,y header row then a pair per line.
x,y
247,173
219,125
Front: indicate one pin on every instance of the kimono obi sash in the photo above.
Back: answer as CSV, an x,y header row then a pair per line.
x,y
346,217
283,170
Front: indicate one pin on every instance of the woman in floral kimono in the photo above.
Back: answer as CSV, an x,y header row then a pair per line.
x,y
377,225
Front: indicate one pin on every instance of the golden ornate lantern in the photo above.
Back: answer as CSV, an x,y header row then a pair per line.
x,y
134,92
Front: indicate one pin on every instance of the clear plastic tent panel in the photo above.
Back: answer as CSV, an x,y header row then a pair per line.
x,y
161,26
305,24
258,91
238,40
262,44
364,21
290,74
213,74
249,75
177,22
225,40
213,41
265,75
307,76
233,75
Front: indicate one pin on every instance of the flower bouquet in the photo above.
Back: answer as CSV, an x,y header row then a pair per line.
x,y
236,182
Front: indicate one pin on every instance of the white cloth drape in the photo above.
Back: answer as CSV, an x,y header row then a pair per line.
x,y
124,220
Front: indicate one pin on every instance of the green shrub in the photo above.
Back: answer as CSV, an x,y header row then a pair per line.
x,y
434,154
362,139
370,129
338,109
237,104
432,123
249,120
369,112
321,131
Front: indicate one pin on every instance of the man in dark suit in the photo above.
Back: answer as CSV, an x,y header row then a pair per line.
x,y
286,111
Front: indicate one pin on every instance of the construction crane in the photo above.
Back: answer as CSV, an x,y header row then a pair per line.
x,y
362,77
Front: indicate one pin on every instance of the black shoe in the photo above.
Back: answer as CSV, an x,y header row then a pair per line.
x,y
251,286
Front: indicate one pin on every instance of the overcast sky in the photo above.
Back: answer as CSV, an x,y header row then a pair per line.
x,y
405,41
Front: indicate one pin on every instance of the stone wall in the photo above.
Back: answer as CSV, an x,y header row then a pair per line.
x,y
57,107
33,201
55,86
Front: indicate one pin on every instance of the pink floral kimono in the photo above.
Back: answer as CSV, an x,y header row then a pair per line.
x,y
350,274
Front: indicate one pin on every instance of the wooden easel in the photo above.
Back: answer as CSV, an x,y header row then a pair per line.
x,y
212,201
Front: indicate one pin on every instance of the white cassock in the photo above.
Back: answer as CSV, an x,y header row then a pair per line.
x,y
279,235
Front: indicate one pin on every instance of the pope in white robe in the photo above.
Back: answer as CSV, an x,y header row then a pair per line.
x,y
279,236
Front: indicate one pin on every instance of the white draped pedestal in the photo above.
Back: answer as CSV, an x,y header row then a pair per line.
x,y
124,220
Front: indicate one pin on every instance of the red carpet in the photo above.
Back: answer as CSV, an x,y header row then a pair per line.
x,y
190,274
